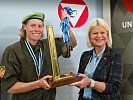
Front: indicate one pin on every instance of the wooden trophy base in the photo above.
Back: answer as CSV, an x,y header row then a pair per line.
x,y
64,79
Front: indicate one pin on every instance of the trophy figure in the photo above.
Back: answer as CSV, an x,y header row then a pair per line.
x,y
57,79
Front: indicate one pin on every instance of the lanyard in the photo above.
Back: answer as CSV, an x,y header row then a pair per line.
x,y
38,67
65,26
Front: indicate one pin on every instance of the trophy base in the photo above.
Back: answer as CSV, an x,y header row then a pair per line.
x,y
64,79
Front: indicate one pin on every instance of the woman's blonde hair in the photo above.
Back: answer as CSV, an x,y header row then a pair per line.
x,y
99,22
22,32
32,15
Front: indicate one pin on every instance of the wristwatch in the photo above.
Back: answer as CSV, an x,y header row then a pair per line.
x,y
92,84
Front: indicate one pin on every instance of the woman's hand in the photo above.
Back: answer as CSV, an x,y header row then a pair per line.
x,y
43,82
64,14
85,81
21,87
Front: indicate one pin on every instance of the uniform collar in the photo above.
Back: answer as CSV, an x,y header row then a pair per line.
x,y
36,47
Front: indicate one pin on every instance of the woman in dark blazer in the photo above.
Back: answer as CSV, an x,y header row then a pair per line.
x,y
101,68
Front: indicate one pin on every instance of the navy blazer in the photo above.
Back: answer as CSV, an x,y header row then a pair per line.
x,y
108,70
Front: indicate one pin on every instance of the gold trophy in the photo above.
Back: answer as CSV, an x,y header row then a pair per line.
x,y
57,79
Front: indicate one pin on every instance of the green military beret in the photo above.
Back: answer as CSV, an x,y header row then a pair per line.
x,y
34,15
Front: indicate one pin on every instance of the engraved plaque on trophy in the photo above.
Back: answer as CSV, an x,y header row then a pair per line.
x,y
57,79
